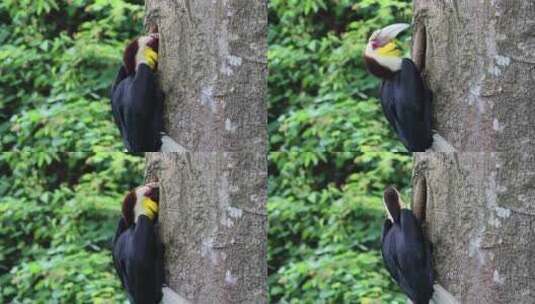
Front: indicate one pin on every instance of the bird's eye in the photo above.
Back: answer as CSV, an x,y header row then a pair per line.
x,y
375,44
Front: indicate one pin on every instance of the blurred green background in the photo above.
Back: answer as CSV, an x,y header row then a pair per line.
x,y
325,220
320,95
58,210
57,62
58,213
58,58
325,209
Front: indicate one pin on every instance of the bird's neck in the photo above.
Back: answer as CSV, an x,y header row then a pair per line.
x,y
385,57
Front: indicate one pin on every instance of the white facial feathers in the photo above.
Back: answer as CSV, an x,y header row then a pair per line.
x,y
394,205
138,207
141,46
391,63
388,212
380,38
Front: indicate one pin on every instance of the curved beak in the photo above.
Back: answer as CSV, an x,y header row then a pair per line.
x,y
148,186
152,185
390,32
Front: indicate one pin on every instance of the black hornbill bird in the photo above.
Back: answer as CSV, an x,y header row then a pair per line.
x,y
137,104
137,250
404,96
406,252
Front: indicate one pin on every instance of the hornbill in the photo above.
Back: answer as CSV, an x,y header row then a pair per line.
x,y
138,251
137,104
406,252
404,96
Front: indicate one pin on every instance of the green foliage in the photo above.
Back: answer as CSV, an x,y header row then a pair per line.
x,y
320,95
325,217
325,209
57,216
58,210
57,62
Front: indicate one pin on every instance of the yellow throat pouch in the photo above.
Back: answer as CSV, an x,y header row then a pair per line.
x,y
390,49
151,56
151,207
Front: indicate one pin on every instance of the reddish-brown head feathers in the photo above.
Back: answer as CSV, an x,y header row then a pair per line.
x,y
129,203
392,204
129,56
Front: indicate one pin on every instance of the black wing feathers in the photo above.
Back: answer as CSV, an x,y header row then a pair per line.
x,y
388,249
407,256
137,257
119,268
407,105
137,108
415,262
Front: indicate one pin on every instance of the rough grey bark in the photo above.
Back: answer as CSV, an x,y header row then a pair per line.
x,y
480,64
213,71
213,224
480,217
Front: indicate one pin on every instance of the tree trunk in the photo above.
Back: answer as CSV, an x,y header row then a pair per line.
x,y
213,72
480,64
214,224
480,217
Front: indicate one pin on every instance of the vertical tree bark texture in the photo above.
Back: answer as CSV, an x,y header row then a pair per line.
x,y
213,224
480,65
213,71
481,219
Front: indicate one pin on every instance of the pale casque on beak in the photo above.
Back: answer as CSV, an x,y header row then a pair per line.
x,y
153,185
385,35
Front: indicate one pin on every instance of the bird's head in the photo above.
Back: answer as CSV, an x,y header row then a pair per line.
x,y
134,203
131,51
382,55
393,203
